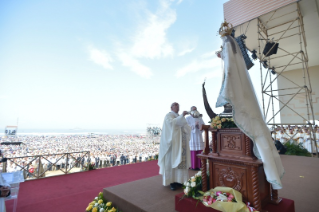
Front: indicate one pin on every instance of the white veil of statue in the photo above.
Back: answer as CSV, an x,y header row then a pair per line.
x,y
238,90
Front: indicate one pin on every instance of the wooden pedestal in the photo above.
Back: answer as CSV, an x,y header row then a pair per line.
x,y
232,163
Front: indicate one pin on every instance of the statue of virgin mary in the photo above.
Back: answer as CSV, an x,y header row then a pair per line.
x,y
237,90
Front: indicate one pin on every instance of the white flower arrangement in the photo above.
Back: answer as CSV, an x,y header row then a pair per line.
x,y
198,174
193,185
186,190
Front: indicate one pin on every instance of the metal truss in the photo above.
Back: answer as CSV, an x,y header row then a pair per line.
x,y
269,92
151,136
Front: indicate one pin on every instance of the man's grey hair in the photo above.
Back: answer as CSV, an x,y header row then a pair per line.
x,y
173,104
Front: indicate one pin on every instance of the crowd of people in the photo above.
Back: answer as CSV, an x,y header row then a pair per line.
x,y
104,151
297,135
110,150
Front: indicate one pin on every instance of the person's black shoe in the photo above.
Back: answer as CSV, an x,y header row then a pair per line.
x,y
197,169
178,184
173,187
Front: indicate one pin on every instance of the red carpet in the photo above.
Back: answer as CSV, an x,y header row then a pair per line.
x,y
73,192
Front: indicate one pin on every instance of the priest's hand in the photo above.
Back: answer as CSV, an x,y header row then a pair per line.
x,y
185,113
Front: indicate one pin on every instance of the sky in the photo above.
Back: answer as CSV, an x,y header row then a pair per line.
x,y
107,64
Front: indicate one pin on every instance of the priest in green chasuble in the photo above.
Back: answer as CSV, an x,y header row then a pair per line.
x,y
174,153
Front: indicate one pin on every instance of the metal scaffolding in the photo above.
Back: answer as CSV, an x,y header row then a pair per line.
x,y
270,93
153,133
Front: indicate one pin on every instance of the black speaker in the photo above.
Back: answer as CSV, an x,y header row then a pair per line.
x,y
268,47
241,43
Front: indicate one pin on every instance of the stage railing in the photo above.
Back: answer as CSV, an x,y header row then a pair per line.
x,y
41,166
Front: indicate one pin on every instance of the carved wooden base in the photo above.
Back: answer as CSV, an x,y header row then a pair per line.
x,y
213,154
204,175
255,186
233,164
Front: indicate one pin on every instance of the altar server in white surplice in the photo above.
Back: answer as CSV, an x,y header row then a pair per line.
x,y
282,137
292,136
300,137
307,139
174,153
196,143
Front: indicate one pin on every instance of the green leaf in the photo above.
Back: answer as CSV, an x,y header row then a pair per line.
x,y
296,149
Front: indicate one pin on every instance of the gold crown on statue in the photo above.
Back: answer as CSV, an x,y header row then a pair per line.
x,y
225,28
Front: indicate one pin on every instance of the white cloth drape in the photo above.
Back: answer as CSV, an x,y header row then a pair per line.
x,y
238,90
308,144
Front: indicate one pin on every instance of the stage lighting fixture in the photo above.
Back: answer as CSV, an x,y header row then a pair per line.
x,y
265,65
254,55
233,33
241,43
268,46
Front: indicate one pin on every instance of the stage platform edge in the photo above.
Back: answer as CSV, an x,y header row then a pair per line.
x,y
145,195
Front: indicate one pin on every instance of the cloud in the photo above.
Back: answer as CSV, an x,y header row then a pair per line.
x,y
216,72
210,54
199,64
3,96
186,51
150,40
179,1
100,57
138,68
186,45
